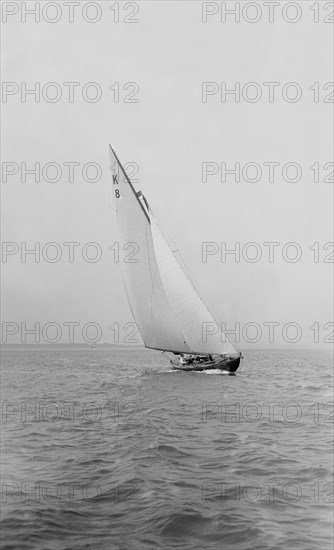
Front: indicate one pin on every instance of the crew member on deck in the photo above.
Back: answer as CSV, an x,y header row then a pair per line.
x,y
183,361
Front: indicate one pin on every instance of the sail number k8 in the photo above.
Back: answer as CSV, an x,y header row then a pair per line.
x,y
115,182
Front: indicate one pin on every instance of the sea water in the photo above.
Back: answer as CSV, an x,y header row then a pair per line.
x,y
114,450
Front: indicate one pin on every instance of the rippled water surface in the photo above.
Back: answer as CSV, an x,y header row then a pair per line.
x,y
112,449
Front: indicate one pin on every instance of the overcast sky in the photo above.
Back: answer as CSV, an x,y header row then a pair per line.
x,y
169,133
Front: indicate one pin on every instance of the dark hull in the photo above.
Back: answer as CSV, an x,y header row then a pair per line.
x,y
228,365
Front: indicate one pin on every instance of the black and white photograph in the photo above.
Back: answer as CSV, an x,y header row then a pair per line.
x,y
167,255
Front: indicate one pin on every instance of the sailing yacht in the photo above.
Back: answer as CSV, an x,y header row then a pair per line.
x,y
169,313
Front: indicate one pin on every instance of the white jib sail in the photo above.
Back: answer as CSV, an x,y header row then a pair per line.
x,y
167,309
201,331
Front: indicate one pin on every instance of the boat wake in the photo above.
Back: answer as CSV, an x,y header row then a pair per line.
x,y
213,371
209,371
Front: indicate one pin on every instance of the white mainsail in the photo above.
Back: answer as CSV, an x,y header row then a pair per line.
x,y
169,313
